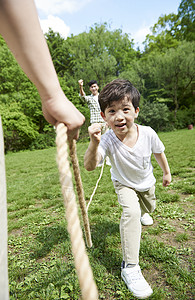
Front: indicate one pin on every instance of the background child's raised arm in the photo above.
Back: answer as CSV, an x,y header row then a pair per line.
x,y
82,93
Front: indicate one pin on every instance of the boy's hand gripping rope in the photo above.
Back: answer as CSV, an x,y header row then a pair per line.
x,y
85,275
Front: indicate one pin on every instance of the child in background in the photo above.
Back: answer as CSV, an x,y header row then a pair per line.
x,y
129,147
94,107
92,101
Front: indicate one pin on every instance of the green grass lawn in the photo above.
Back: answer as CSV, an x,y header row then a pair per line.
x,y
41,265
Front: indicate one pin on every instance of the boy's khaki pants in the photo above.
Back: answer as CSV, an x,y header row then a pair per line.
x,y
134,204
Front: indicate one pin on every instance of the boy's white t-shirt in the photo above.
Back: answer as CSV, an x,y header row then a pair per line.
x,y
132,166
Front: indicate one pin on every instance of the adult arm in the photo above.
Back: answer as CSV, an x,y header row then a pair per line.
x,y
20,27
163,163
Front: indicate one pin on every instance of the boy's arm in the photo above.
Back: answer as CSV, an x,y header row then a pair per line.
x,y
163,163
92,156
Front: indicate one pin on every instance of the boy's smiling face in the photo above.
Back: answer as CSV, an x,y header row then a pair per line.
x,y
120,116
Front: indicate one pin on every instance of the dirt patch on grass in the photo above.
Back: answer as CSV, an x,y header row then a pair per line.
x,y
180,237
16,232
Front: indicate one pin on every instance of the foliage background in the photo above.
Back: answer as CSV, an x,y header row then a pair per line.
x,y
163,73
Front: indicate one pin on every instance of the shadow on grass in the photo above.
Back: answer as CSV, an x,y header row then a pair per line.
x,y
47,238
105,234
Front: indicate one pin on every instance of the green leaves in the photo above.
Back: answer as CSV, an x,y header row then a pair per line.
x,y
172,28
163,73
155,115
19,129
99,54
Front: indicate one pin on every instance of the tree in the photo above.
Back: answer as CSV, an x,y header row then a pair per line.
x,y
20,104
172,28
19,130
11,75
98,54
186,15
160,42
156,115
174,73
55,44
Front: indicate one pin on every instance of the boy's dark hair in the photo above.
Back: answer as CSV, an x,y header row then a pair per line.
x,y
92,82
116,90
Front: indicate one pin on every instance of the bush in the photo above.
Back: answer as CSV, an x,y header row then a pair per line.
x,y
185,117
43,141
155,115
19,130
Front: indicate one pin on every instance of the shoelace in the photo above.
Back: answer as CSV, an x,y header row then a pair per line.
x,y
135,275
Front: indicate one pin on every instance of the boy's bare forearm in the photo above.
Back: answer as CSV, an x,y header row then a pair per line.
x,y
92,157
163,163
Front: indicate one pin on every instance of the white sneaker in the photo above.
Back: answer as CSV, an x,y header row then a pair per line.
x,y
136,283
146,219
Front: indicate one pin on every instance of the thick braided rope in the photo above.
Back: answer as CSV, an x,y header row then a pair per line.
x,y
84,272
80,191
